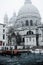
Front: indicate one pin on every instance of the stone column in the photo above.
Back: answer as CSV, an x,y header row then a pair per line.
x,y
42,34
37,38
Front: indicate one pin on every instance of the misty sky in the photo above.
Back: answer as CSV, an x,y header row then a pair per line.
x,y
11,6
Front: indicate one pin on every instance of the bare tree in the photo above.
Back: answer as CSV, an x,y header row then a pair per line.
x,y
18,39
10,32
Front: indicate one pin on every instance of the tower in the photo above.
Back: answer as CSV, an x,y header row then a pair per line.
x,y
6,19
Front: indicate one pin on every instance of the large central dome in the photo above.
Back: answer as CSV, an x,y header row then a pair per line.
x,y
28,9
28,12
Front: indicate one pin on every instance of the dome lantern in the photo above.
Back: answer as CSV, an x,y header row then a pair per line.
x,y
28,2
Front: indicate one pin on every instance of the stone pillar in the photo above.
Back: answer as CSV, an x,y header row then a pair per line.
x,y
42,34
37,38
36,31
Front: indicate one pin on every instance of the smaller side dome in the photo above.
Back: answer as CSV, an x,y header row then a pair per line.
x,y
13,19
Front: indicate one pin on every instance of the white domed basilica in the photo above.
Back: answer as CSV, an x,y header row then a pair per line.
x,y
28,25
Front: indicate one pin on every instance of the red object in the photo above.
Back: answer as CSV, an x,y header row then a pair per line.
x,y
0,43
15,51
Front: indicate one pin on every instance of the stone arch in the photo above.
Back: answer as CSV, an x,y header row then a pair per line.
x,y
27,23
30,33
31,22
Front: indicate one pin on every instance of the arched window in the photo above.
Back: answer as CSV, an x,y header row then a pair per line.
x,y
31,23
23,40
30,33
27,23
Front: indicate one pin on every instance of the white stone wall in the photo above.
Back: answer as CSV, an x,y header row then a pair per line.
x,y
31,41
1,34
4,40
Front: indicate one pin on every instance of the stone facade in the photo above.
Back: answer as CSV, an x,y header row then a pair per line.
x,y
26,22
29,19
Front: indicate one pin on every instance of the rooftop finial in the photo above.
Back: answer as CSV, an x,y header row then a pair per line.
x,y
27,1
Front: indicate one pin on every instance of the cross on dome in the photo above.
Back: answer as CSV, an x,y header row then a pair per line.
x,y
27,1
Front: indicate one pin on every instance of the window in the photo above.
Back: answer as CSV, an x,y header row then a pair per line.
x,y
3,30
3,36
30,33
27,23
3,43
23,40
31,23
3,25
